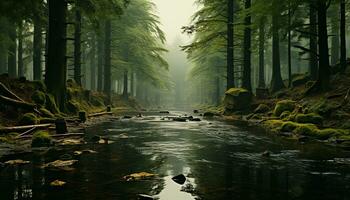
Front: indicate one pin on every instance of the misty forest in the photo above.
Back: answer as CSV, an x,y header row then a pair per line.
x,y
174,100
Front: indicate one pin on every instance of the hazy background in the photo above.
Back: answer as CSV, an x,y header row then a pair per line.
x,y
175,14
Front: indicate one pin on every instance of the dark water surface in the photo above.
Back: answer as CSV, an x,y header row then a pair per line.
x,y
221,162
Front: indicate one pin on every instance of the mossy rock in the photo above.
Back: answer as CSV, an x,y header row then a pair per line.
x,y
39,98
41,139
237,99
28,119
310,118
324,107
9,138
39,85
262,108
289,126
51,104
73,107
273,125
300,79
284,105
330,132
306,130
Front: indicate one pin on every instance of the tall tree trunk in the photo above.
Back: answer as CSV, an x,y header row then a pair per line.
x,y
132,84
100,55
56,64
125,85
289,48
37,49
20,50
262,83
276,81
230,49
343,35
3,47
313,63
335,35
93,63
324,69
107,68
247,82
12,51
77,45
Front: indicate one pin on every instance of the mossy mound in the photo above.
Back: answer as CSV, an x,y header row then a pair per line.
x,y
300,79
284,105
28,119
46,113
73,107
8,138
324,107
306,130
51,104
285,115
237,99
262,108
41,139
39,98
311,118
273,125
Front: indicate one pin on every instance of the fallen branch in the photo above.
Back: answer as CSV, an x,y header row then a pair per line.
x,y
55,136
7,93
16,103
26,132
100,114
23,128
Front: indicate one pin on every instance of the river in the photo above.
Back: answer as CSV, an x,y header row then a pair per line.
x,y
221,161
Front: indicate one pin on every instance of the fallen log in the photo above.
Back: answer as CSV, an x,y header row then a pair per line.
x,y
6,92
55,136
16,103
23,128
100,114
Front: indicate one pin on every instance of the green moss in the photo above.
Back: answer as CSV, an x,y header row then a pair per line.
x,y
282,106
236,91
73,107
51,104
46,113
262,108
28,119
273,125
9,138
324,107
330,132
285,115
289,126
306,130
310,118
41,139
39,98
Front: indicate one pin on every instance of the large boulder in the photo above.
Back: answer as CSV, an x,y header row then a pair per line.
x,y
237,99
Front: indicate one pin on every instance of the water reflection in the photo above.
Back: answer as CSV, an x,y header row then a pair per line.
x,y
219,160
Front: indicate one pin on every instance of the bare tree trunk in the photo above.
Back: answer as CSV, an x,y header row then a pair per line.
x,y
343,35
247,82
107,68
276,81
77,45
335,35
230,49
289,49
100,55
37,49
313,64
12,51
125,85
93,63
20,50
262,83
56,64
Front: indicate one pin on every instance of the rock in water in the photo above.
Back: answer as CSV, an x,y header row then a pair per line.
x,y
144,197
195,120
195,111
138,176
180,119
208,114
180,179
57,183
237,99
266,154
17,162
164,112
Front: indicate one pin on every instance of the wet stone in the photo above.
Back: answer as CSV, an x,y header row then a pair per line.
x,y
180,119
180,179
144,197
164,112
266,154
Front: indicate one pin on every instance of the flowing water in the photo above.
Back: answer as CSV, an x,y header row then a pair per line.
x,y
220,160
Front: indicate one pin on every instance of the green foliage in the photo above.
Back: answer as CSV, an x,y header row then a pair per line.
x,y
311,118
39,98
28,119
41,139
284,105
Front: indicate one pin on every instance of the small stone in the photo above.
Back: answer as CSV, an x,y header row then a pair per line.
x,y
164,112
57,183
180,179
138,176
180,119
266,154
127,117
195,111
208,114
17,162
195,120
